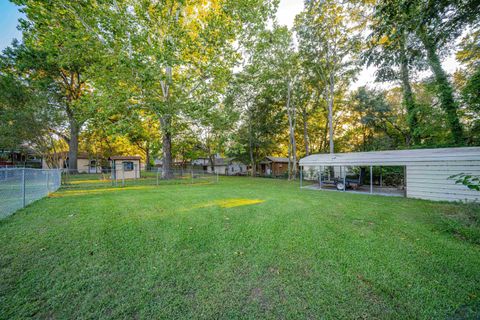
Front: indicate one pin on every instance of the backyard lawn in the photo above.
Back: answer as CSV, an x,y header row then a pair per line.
x,y
239,248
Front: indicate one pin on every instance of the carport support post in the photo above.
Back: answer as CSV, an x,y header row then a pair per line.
x,y
381,171
371,179
301,176
344,179
123,175
321,175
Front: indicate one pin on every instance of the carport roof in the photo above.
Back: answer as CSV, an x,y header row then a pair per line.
x,y
393,157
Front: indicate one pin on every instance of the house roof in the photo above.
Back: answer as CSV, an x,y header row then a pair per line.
x,y
222,161
394,157
64,154
125,158
275,159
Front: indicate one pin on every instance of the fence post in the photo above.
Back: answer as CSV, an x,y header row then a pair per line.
x,y
192,175
48,181
23,187
123,175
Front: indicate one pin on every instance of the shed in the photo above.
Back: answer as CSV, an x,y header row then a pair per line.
x,y
427,171
275,166
125,167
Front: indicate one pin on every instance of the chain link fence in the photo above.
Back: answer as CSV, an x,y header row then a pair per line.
x,y
123,176
22,186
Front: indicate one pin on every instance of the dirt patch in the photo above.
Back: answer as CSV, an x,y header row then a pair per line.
x,y
257,295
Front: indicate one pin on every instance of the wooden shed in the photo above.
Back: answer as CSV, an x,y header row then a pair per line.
x,y
125,167
427,171
274,166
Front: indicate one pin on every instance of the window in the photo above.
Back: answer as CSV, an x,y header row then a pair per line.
x,y
128,166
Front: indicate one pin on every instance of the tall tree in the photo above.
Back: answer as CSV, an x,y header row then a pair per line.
x,y
328,37
57,50
24,116
437,24
393,50
190,49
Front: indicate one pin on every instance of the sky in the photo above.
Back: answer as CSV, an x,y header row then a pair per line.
x,y
286,13
9,16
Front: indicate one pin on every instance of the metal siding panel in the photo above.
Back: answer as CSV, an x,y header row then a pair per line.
x,y
442,197
432,183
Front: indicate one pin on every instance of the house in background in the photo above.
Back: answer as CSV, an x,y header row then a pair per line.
x,y
125,167
201,163
227,166
85,162
273,166
158,163
24,157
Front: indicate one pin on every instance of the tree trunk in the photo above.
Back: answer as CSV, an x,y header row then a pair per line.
x,y
444,88
289,168
408,98
292,172
73,146
166,147
212,161
330,111
305,132
323,147
250,144
147,156
252,162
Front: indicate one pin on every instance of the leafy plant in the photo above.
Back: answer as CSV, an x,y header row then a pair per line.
x,y
469,180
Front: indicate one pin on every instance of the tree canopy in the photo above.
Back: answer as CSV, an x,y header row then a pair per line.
x,y
177,80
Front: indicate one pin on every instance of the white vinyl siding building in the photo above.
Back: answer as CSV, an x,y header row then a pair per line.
x,y
427,170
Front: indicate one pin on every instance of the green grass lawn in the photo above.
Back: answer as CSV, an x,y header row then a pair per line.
x,y
240,248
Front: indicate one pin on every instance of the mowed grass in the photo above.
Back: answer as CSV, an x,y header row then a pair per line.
x,y
240,248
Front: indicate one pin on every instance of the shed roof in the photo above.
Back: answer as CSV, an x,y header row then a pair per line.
x,y
222,161
125,158
393,157
64,154
275,159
